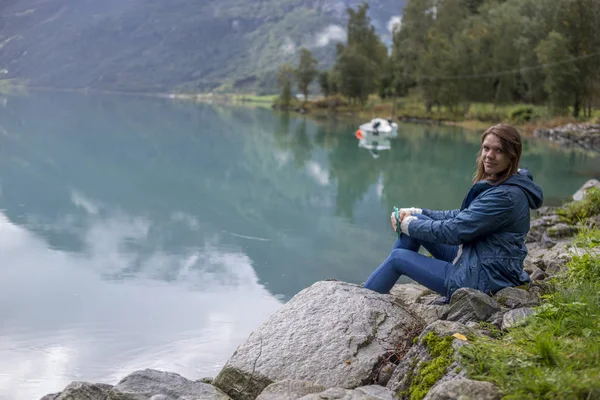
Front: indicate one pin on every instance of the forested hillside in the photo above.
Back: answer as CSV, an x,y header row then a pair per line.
x,y
170,45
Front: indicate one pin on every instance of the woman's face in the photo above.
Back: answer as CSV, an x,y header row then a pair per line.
x,y
495,159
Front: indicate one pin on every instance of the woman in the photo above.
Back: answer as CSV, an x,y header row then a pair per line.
x,y
482,244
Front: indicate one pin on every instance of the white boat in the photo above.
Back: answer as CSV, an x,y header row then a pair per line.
x,y
378,126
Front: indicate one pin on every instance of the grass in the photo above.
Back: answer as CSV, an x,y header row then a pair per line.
x,y
476,116
557,354
578,211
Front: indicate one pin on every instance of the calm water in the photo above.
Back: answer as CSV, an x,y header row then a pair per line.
x,y
142,233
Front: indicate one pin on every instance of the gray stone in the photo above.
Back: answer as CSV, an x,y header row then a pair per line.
x,y
92,391
151,382
562,230
463,389
335,334
512,297
428,313
409,293
538,275
516,317
289,390
428,299
469,304
418,353
377,392
580,194
496,319
547,242
339,394
537,228
51,396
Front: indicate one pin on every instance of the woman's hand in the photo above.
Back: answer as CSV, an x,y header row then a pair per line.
x,y
402,213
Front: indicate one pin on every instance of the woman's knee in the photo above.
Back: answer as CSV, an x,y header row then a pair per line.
x,y
401,254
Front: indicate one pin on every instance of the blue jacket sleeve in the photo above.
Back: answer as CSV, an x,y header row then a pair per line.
x,y
439,215
485,215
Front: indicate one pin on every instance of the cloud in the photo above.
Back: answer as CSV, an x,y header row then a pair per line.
x,y
333,33
288,47
82,201
63,320
395,23
318,173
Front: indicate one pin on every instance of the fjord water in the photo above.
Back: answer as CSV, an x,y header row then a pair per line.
x,y
145,233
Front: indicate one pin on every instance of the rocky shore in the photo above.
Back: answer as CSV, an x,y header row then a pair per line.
x,y
582,136
336,340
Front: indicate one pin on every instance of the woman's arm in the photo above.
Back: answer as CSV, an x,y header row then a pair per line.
x,y
439,215
484,216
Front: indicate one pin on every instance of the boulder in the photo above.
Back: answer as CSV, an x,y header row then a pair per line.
x,y
463,389
428,313
409,293
346,394
377,392
469,304
334,334
92,391
516,317
562,230
580,194
512,297
289,390
413,363
538,275
150,382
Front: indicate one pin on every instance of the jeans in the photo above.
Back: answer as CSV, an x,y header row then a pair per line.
x,y
405,260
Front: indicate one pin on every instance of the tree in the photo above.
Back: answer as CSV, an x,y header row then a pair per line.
x,y
324,83
360,62
285,78
559,82
306,71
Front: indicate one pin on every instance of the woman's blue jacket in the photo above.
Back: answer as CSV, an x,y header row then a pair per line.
x,y
491,226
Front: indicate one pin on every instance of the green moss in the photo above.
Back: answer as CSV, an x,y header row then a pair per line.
x,y
429,372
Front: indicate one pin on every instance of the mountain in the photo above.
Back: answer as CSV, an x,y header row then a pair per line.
x,y
170,45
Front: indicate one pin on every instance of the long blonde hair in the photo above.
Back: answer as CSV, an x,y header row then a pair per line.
x,y
511,145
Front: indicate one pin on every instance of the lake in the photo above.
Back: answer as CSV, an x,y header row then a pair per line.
x,y
146,233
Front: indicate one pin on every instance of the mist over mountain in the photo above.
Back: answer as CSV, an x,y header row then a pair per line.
x,y
171,45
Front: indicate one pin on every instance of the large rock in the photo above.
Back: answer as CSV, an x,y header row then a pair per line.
x,y
512,297
92,391
362,393
516,317
463,389
428,312
289,390
411,364
469,304
377,392
409,293
151,382
335,334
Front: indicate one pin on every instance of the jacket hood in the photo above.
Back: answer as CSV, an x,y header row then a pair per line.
x,y
524,180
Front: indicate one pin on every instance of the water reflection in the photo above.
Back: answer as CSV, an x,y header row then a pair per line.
x,y
69,316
